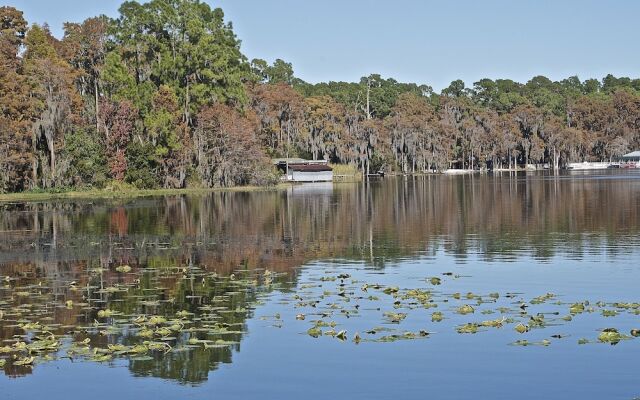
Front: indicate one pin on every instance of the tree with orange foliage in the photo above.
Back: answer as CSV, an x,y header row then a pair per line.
x,y
280,111
15,105
228,150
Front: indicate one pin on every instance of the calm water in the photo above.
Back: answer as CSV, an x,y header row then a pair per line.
x,y
240,278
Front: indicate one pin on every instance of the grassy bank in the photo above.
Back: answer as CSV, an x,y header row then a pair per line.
x,y
125,193
346,173
342,173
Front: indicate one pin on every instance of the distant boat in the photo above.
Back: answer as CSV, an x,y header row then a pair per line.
x,y
629,165
586,165
458,171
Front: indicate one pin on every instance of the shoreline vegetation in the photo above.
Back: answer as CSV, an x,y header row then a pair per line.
x,y
149,101
344,175
117,190
128,193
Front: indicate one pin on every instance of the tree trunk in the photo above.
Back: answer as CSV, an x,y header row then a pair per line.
x,y
95,91
186,104
368,93
52,159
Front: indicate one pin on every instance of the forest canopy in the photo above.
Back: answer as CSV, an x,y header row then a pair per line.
x,y
162,97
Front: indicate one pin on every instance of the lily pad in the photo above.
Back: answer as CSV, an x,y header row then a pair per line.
x,y
611,335
465,309
467,328
521,328
577,308
437,316
395,317
123,269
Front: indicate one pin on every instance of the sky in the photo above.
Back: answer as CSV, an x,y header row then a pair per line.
x,y
421,41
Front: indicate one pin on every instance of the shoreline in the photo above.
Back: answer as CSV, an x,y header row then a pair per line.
x,y
123,194
134,193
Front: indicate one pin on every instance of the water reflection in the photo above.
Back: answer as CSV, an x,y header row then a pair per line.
x,y
182,249
394,217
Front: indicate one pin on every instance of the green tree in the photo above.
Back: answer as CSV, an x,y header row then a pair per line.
x,y
186,45
56,100
167,135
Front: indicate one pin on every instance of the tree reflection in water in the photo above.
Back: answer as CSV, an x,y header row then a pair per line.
x,y
182,249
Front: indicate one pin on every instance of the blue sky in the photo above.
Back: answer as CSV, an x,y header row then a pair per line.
x,y
422,41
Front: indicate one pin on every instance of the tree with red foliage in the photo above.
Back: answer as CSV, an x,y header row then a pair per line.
x,y
117,123
228,149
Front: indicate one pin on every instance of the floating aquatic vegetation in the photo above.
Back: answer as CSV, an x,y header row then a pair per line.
x,y
524,342
24,361
537,321
30,326
611,335
379,329
403,336
422,296
149,314
577,308
156,320
395,317
542,299
137,316
314,331
123,268
465,309
106,313
468,328
627,306
494,323
390,290
342,335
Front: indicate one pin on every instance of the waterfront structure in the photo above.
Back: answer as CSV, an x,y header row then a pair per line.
x,y
630,160
301,170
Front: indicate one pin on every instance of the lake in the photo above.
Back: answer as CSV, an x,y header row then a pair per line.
x,y
447,287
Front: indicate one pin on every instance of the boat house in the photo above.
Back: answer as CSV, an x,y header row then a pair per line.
x,y
630,160
631,157
300,170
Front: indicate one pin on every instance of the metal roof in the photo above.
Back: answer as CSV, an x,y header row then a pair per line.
x,y
633,154
281,161
310,168
291,160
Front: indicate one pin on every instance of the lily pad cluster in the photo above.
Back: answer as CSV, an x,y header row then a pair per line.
x,y
194,318
332,303
147,316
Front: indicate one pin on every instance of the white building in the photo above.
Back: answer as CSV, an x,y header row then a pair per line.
x,y
630,160
300,170
310,173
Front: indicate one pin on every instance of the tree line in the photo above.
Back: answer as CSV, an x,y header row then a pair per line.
x,y
162,96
